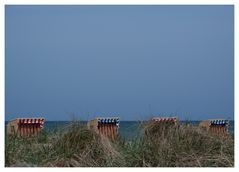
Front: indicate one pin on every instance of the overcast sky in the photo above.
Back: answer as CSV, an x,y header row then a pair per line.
x,y
132,61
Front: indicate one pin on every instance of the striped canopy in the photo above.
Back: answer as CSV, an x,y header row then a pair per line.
x,y
108,120
165,119
25,121
219,122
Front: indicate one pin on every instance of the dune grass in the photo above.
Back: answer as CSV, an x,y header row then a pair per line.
x,y
180,146
158,146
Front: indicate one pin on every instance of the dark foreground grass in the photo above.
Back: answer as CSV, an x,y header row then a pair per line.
x,y
159,146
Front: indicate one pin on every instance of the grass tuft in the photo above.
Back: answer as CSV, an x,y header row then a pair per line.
x,y
159,145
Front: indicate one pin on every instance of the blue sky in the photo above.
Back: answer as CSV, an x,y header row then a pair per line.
x,y
135,61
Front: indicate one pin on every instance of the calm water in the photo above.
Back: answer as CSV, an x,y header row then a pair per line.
x,y
127,129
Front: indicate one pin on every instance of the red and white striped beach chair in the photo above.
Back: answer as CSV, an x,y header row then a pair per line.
x,y
25,126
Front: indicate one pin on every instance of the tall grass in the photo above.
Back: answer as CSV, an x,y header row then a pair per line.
x,y
158,146
168,145
76,146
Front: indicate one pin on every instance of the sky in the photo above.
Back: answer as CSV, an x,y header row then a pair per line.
x,y
135,62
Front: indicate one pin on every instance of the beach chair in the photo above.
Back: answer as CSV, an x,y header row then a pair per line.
x,y
25,126
160,125
107,126
218,126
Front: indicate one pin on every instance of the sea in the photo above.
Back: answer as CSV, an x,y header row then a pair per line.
x,y
127,129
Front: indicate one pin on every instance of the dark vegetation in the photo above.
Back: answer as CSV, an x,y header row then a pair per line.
x,y
159,146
